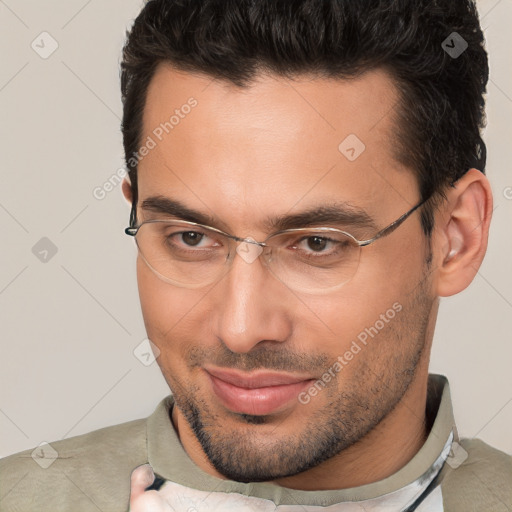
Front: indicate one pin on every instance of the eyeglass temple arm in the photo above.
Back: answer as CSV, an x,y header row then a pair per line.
x,y
389,229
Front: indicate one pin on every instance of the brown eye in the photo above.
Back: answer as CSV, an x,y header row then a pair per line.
x,y
192,238
317,243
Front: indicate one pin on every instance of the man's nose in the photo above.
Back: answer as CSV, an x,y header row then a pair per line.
x,y
252,304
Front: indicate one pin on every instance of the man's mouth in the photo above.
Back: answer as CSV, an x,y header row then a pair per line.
x,y
258,392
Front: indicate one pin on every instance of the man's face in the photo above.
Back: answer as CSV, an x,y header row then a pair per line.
x,y
241,156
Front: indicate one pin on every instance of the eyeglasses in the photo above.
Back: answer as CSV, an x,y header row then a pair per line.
x,y
309,260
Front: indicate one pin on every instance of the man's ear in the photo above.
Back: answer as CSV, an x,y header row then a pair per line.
x,y
462,231
127,190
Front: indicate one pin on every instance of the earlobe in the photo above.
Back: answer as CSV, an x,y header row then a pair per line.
x,y
463,232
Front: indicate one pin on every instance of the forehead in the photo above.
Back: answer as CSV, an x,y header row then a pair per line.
x,y
278,144
272,109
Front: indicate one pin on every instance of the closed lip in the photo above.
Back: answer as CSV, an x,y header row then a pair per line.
x,y
256,379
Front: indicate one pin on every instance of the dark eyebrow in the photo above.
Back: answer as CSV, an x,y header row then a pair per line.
x,y
341,215
337,214
173,208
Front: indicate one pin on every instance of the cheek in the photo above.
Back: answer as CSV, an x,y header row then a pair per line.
x,y
162,304
393,266
384,282
173,316
155,296
345,315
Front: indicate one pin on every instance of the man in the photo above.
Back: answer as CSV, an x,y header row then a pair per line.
x,y
306,180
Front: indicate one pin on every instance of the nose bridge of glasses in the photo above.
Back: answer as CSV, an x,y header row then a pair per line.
x,y
244,240
235,238
250,240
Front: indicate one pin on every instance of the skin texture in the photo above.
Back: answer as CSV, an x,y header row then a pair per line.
x,y
241,155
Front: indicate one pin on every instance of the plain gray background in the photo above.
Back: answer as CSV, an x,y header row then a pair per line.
x,y
69,325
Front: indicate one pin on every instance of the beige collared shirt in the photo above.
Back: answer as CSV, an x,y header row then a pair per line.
x,y
91,472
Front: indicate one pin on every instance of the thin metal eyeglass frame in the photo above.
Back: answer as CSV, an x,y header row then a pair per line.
x,y
132,230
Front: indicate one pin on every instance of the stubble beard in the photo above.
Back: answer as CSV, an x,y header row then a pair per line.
x,y
259,449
